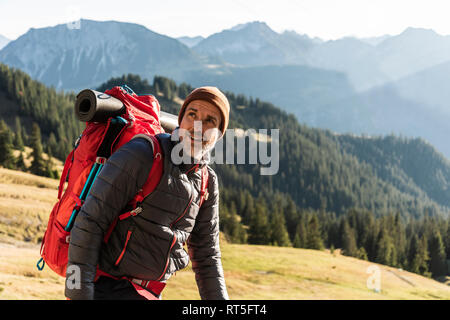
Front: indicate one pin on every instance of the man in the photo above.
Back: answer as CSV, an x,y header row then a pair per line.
x,y
144,250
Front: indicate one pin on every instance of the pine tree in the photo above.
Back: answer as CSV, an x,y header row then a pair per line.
x,y
18,139
259,231
447,241
38,165
300,236
386,253
249,208
349,247
20,163
313,235
438,264
419,253
184,90
51,172
7,158
232,226
413,251
52,144
362,254
279,234
292,216
400,241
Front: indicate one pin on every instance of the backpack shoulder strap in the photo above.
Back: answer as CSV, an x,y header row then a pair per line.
x,y
153,178
156,170
204,191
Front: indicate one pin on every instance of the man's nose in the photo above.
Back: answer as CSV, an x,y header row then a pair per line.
x,y
199,126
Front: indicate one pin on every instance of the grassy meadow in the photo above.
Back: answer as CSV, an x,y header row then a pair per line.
x,y
251,272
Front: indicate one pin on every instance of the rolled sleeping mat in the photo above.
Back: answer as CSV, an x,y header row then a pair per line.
x,y
95,106
168,121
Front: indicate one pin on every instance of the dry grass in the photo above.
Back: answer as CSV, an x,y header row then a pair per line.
x,y
20,279
25,203
251,272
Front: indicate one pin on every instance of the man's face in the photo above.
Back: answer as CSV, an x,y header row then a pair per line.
x,y
200,124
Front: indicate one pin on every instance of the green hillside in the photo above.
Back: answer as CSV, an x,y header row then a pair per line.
x,y
412,165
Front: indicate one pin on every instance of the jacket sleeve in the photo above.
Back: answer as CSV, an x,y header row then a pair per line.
x,y
123,175
204,249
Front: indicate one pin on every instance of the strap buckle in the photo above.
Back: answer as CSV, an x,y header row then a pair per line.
x,y
155,287
100,160
136,211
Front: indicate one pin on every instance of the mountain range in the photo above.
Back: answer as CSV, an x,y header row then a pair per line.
x,y
389,84
368,62
74,58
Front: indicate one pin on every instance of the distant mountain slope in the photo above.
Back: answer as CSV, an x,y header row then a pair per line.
x,y
3,41
254,44
190,41
367,62
413,50
384,110
73,58
411,165
429,86
296,89
354,57
326,99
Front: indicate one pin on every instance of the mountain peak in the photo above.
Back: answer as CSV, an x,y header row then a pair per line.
x,y
418,32
253,25
83,54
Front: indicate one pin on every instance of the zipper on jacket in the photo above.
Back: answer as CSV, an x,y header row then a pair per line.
x,y
184,212
174,236
174,240
124,247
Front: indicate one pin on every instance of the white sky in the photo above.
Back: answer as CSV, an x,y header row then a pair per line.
x,y
327,19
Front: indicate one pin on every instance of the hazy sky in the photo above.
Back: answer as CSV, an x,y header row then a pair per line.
x,y
327,19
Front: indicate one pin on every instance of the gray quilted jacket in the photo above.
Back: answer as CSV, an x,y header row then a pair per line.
x,y
148,246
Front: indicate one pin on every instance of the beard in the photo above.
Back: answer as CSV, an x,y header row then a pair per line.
x,y
195,144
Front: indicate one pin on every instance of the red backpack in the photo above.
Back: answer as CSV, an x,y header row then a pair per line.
x,y
97,142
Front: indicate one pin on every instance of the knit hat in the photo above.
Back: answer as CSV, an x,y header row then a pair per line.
x,y
213,96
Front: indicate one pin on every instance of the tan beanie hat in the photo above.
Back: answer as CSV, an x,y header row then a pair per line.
x,y
213,96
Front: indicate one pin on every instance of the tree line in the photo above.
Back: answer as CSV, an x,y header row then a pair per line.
x,y
420,245
16,140
33,102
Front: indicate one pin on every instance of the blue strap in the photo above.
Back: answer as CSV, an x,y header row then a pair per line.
x,y
146,94
119,119
40,264
84,193
127,89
